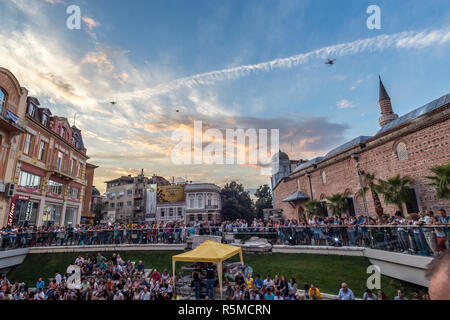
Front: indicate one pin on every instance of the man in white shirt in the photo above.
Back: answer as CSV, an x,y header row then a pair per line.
x,y
268,282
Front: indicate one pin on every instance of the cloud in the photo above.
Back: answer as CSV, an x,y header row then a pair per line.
x,y
402,40
91,23
356,84
345,104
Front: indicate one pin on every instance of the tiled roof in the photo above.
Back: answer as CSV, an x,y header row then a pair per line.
x,y
346,146
308,163
296,196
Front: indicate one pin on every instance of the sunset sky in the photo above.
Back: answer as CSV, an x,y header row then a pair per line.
x,y
231,64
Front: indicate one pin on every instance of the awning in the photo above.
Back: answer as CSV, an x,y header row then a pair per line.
x,y
297,196
209,251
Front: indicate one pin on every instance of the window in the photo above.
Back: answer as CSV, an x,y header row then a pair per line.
x,y
402,153
79,170
31,109
42,151
170,212
129,191
27,145
180,212
2,100
191,201
55,187
73,162
29,180
44,119
200,201
191,217
163,212
112,204
71,216
128,203
120,204
59,160
63,132
73,192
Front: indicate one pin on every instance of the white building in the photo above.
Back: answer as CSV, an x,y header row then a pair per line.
x,y
203,202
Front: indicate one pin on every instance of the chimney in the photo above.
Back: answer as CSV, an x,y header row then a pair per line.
x,y
387,114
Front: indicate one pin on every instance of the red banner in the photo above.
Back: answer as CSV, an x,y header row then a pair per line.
x,y
12,207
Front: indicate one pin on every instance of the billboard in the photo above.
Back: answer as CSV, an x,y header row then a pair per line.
x,y
168,194
150,201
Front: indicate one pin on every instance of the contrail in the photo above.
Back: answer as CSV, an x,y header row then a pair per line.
x,y
402,40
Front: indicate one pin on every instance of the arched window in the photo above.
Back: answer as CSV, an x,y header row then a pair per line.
x,y
402,153
2,99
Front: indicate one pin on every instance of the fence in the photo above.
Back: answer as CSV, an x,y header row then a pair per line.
x,y
421,240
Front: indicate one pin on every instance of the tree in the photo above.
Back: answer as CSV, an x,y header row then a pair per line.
x,y
236,202
337,204
369,180
264,200
98,208
395,190
441,180
314,208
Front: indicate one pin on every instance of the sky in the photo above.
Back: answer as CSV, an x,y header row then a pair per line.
x,y
230,64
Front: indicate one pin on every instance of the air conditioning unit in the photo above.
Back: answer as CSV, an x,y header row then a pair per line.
x,y
10,190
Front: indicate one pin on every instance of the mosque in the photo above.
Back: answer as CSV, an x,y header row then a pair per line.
x,y
408,145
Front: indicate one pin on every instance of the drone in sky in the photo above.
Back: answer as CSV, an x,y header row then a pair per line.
x,y
330,62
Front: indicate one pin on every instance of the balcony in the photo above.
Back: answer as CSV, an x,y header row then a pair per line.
x,y
61,172
138,196
138,208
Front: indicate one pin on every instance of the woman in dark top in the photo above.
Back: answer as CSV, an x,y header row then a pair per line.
x,y
197,283
283,287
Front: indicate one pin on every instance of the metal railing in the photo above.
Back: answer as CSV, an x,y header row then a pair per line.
x,y
425,240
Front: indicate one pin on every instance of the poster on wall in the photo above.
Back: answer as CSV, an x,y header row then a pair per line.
x,y
168,194
150,201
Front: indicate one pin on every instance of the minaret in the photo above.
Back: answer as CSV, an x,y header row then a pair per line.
x,y
387,115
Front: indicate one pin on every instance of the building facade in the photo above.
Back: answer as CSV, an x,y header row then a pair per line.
x,y
92,195
125,197
50,170
203,202
13,102
408,145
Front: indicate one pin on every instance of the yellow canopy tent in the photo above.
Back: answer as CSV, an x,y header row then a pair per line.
x,y
209,251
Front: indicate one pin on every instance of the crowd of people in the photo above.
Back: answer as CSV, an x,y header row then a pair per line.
x,y
425,233
96,278
99,278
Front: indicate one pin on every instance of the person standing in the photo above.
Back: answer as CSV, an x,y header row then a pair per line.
x,y
197,283
210,280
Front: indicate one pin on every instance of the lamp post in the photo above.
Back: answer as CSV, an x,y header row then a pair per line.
x,y
358,168
308,174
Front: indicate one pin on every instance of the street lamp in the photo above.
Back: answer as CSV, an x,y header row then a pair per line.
x,y
356,157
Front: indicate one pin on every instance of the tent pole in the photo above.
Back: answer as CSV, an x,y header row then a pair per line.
x,y
242,258
173,274
219,273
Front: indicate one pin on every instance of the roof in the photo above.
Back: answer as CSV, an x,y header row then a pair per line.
x,y
308,163
280,155
383,94
346,146
209,251
296,196
416,113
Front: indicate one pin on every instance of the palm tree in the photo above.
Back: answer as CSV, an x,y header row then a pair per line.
x,y
314,208
395,190
441,180
369,179
337,204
